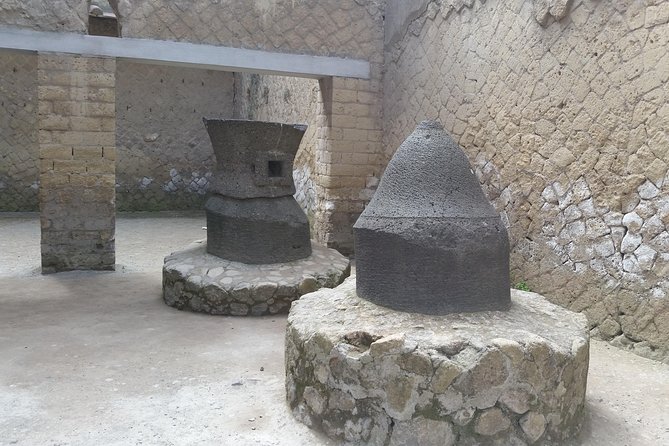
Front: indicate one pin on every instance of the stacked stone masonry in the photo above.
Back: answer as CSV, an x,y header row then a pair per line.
x,y
368,375
19,170
348,28
53,15
348,152
567,125
349,157
164,154
76,125
194,280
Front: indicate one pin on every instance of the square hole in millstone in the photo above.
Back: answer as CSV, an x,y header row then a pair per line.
x,y
274,169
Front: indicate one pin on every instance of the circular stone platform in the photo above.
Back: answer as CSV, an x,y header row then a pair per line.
x,y
196,281
370,375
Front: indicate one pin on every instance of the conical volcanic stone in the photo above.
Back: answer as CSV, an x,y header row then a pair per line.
x,y
430,241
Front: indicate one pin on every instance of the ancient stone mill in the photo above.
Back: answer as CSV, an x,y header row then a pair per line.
x,y
428,345
258,256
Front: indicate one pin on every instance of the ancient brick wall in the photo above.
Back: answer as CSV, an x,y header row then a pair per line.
x,y
19,171
349,160
164,153
76,124
563,110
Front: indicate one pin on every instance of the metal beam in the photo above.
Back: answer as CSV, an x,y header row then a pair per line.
x,y
164,52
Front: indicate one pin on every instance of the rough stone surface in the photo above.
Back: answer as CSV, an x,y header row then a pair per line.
x,y
430,241
253,158
76,123
276,99
566,127
196,281
349,30
56,15
259,230
369,375
164,153
19,152
252,216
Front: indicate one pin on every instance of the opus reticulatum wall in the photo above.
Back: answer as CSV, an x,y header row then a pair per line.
x,y
565,118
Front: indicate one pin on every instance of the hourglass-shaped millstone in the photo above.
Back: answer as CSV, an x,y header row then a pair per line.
x,y
252,216
430,241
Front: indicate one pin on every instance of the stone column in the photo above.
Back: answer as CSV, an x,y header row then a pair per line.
x,y
349,156
76,124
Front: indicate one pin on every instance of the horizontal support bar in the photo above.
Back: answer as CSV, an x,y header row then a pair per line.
x,y
164,52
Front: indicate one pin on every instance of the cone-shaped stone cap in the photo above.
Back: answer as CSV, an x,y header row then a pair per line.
x,y
429,176
253,158
430,241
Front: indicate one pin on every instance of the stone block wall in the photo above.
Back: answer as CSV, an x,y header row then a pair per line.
x,y
19,170
322,27
563,110
46,15
77,153
349,155
164,153
349,28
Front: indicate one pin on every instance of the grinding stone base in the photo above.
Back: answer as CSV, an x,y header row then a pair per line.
x,y
365,374
196,281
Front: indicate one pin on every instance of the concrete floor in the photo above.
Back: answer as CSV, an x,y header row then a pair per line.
x,y
97,359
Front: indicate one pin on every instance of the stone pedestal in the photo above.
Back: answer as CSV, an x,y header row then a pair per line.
x,y
370,375
197,281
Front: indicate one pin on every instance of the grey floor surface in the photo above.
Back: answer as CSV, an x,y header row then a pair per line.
x,y
97,359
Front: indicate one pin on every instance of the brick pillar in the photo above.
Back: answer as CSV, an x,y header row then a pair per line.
x,y
76,123
349,157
